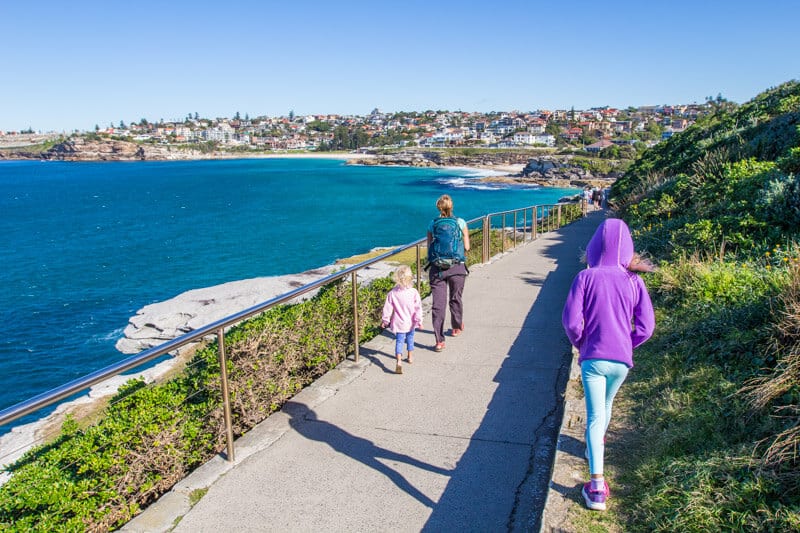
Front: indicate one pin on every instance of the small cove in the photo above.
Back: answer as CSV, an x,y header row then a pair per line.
x,y
89,244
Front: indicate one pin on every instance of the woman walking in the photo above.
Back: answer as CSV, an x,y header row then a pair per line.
x,y
448,242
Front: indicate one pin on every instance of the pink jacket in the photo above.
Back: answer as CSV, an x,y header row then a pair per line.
x,y
402,310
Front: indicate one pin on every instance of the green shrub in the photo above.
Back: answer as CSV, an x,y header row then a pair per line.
x,y
151,436
780,201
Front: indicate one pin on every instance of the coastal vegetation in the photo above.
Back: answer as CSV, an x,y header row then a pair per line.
x,y
710,431
97,474
97,477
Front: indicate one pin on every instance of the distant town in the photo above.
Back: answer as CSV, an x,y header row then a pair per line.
x,y
594,130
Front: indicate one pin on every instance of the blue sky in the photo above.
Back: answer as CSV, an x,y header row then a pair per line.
x,y
74,65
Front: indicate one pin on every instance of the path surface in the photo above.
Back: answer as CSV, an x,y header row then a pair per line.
x,y
462,441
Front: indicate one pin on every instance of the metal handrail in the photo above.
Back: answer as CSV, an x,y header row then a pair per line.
x,y
217,328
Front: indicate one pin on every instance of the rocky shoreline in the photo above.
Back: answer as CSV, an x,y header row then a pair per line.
x,y
534,167
545,170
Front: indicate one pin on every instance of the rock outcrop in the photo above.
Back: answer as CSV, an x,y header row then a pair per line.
x,y
82,149
429,158
544,170
101,149
160,322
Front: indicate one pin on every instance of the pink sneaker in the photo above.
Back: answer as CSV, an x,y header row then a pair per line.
x,y
595,499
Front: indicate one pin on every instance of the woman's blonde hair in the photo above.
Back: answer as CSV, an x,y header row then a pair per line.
x,y
445,205
403,276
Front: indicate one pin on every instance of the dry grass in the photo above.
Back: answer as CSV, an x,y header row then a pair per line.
x,y
778,389
407,257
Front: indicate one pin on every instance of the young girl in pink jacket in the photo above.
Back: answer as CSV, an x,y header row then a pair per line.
x,y
402,313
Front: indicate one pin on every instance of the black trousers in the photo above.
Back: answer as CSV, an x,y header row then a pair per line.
x,y
442,282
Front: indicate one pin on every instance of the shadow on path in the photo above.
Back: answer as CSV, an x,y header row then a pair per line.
x,y
305,422
518,435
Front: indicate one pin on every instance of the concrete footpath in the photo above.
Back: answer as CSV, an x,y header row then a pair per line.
x,y
464,440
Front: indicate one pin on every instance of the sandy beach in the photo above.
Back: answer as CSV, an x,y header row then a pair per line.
x,y
314,155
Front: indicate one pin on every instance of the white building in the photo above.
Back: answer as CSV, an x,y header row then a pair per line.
x,y
528,138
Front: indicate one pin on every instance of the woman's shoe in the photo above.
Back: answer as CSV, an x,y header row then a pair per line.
x,y
398,369
439,347
457,331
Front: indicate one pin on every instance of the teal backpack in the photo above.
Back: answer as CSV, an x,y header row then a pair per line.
x,y
447,244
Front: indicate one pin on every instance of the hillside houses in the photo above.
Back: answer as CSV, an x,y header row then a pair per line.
x,y
583,129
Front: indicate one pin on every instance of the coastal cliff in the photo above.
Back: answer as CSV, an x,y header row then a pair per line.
x,y
88,149
546,170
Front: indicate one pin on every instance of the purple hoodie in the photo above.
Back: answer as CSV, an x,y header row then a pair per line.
x,y
608,312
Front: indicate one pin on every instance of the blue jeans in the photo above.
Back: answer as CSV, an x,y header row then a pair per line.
x,y
403,339
601,381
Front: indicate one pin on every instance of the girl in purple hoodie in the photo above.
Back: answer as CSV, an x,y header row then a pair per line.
x,y
607,314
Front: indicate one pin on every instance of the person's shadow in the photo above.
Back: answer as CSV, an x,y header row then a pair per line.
x,y
517,438
305,422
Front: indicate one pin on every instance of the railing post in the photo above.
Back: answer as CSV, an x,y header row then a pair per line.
x,y
226,398
524,224
486,239
356,335
515,228
535,222
559,216
419,269
503,235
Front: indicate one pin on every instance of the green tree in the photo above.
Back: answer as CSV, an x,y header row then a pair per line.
x,y
553,129
318,125
358,139
341,138
652,131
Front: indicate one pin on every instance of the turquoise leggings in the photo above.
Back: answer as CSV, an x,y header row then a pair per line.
x,y
601,381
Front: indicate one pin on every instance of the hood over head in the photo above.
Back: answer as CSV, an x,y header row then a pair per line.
x,y
611,245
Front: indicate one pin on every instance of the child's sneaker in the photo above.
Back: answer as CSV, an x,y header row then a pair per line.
x,y
595,499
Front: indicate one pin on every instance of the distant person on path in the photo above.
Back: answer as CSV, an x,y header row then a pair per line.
x,y
607,314
596,197
448,242
604,198
402,312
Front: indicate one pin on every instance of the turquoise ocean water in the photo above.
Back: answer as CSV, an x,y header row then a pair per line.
x,y
85,245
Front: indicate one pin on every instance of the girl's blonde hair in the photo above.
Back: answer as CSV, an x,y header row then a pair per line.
x,y
445,205
403,276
